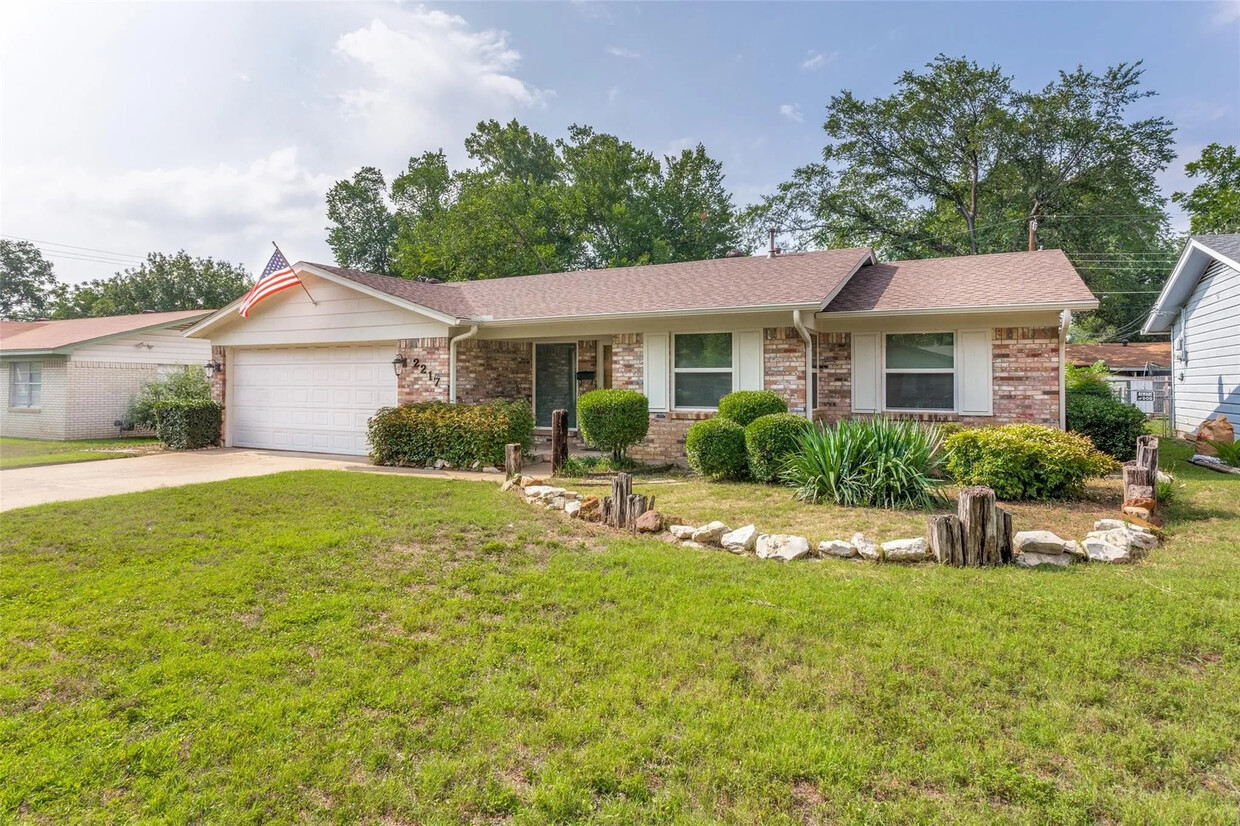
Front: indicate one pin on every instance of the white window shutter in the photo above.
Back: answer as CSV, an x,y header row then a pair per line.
x,y
656,370
865,373
748,373
974,376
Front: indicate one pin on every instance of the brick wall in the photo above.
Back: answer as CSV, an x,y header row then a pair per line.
x,y
413,386
627,365
783,365
665,441
1025,376
98,394
219,385
587,359
490,370
48,421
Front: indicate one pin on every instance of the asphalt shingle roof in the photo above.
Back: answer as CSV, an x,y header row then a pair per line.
x,y
1228,245
56,335
1136,354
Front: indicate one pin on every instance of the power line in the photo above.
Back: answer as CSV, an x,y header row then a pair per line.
x,y
73,247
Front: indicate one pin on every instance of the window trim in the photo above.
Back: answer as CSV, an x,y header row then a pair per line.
x,y
31,368
674,370
954,372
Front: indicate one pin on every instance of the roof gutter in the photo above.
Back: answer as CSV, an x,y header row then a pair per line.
x,y
799,323
1058,306
470,333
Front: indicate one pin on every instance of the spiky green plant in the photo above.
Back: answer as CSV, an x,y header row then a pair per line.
x,y
880,462
1229,452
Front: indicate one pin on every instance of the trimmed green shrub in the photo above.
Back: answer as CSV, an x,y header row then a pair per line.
x,y
1112,425
460,434
716,449
188,384
1025,461
188,424
744,406
879,462
613,420
770,440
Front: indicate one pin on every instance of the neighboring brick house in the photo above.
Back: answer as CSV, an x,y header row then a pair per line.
x,y
73,379
836,333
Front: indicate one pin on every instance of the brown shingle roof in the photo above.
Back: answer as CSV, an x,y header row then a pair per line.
x,y
1120,356
57,335
1000,279
805,279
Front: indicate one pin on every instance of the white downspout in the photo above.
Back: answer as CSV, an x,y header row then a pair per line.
x,y
1065,322
809,363
473,331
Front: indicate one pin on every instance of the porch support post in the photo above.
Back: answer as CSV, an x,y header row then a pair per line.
x,y
473,331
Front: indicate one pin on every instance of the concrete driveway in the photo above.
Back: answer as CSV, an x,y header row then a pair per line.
x,y
23,487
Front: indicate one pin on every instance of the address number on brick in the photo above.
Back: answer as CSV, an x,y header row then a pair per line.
x,y
431,375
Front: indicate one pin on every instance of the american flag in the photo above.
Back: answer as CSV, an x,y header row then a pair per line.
x,y
278,275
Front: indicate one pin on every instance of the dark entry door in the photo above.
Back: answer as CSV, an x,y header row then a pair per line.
x,y
555,382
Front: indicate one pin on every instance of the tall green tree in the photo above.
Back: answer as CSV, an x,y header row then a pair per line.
x,y
163,283
363,230
1213,206
959,161
27,280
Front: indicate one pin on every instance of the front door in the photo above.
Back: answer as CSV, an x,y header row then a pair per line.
x,y
555,382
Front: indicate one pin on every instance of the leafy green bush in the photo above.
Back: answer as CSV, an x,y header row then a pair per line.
x,y
460,434
744,406
877,462
716,449
1228,452
613,420
188,384
1025,461
770,440
1110,424
1091,380
188,424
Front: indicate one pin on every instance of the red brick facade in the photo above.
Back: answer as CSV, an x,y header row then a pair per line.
x,y
219,384
489,370
627,362
416,385
783,365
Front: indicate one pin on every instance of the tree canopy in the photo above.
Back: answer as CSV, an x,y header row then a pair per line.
x,y
529,204
958,160
163,283
26,281
1213,206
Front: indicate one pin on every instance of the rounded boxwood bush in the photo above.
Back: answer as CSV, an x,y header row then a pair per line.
x,y
744,406
613,420
1025,461
770,440
716,449
1112,425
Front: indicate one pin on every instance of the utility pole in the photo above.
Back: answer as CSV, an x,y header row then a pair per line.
x,y
1033,234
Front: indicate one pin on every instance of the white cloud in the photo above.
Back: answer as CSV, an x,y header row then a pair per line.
x,y
620,51
1226,12
431,78
816,60
792,111
613,94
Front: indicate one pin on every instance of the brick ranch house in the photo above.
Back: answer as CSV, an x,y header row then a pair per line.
x,y
72,379
975,339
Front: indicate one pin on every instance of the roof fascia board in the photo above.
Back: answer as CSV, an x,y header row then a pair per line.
x,y
748,308
1091,304
868,258
1193,250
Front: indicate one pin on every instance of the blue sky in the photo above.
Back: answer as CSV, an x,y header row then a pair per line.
x,y
218,127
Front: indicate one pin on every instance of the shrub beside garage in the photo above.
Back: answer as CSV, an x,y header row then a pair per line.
x,y
459,434
188,424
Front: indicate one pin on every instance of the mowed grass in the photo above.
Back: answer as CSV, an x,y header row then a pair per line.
x,y
27,452
335,647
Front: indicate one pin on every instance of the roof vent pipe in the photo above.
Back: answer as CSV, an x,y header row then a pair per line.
x,y
773,251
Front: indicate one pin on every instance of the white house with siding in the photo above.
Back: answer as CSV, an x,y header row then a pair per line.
x,y
73,379
1200,308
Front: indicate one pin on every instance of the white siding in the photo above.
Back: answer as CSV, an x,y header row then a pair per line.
x,y
159,347
1208,333
342,315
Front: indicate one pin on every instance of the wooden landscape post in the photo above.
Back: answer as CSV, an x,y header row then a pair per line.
x,y
946,539
1141,479
979,522
512,460
559,440
1003,531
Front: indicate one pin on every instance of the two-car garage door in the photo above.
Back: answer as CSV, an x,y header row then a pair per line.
x,y
313,399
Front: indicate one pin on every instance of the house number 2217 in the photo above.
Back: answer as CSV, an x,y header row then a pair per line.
x,y
431,375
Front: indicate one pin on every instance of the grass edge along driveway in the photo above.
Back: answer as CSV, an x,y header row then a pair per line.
x,y
328,646
17,453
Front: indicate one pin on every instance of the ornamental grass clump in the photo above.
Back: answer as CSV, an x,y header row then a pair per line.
x,y
880,462
1026,461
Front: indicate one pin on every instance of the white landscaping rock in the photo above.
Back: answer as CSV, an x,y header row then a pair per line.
x,y
557,502
1100,550
1073,548
836,547
710,534
1114,524
1032,559
697,546
781,546
905,550
1038,542
544,491
508,485
573,509
681,531
741,540
866,548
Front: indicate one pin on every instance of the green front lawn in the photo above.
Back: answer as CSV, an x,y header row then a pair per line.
x,y
330,646
27,452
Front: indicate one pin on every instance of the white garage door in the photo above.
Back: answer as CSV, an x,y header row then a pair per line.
x,y
313,399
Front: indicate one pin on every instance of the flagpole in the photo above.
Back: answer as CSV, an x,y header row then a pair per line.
x,y
299,281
